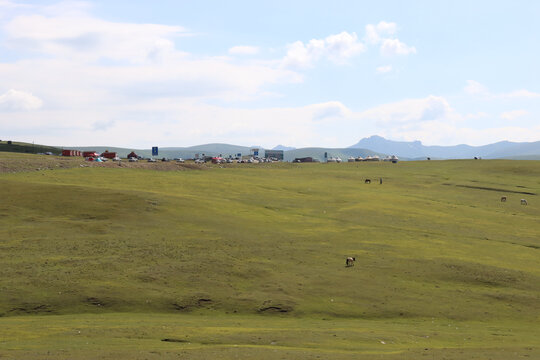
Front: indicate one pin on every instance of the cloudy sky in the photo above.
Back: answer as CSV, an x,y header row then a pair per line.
x,y
136,73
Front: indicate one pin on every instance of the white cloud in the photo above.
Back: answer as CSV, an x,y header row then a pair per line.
x,y
337,48
409,111
80,36
146,62
475,88
244,50
15,100
68,8
513,115
390,47
383,34
384,69
328,110
376,33
475,116
9,4
71,84
521,94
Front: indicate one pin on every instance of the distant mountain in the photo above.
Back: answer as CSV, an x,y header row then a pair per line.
x,y
415,149
374,145
284,148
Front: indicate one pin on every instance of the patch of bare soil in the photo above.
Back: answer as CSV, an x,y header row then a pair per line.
x,y
159,165
494,189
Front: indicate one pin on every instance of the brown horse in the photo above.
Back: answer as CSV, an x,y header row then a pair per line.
x,y
350,261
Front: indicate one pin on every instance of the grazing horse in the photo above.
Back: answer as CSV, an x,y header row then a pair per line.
x,y
503,198
350,261
368,181
523,202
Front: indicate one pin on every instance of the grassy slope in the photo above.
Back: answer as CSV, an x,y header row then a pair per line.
x,y
238,240
22,147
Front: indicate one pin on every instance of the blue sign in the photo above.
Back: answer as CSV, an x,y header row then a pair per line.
x,y
256,153
154,151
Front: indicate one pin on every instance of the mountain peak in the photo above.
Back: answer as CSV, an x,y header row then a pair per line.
x,y
284,148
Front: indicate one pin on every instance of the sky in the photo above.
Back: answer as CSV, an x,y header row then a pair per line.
x,y
261,73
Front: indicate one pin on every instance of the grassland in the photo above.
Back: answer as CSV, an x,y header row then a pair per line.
x,y
22,147
248,261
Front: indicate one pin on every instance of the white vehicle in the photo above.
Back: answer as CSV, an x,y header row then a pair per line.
x,y
116,158
151,160
133,159
180,160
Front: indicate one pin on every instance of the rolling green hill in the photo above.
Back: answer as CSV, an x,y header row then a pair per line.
x,y
249,261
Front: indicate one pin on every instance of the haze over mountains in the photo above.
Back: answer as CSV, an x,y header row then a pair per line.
x,y
284,148
374,145
415,149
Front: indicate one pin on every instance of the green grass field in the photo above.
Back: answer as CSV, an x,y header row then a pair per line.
x,y
248,261
22,147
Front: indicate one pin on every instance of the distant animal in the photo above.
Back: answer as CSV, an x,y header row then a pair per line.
x,y
350,261
503,198
368,181
523,202
380,180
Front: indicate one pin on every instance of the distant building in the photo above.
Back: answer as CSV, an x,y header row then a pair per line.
x,y
109,155
274,154
66,152
132,155
91,154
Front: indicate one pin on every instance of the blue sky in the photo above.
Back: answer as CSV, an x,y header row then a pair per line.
x,y
298,73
